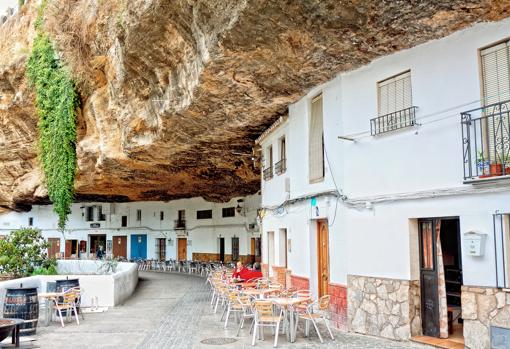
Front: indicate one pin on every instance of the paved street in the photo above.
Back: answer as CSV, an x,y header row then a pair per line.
x,y
172,311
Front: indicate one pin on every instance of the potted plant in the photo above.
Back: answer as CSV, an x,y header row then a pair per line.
x,y
483,165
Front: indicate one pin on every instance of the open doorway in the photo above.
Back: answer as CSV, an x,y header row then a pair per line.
x,y
441,278
97,241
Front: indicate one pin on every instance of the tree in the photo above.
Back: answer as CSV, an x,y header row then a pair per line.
x,y
22,251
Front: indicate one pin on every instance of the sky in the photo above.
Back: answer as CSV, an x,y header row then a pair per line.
x,y
4,4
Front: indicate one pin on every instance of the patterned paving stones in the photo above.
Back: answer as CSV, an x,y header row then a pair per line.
x,y
172,311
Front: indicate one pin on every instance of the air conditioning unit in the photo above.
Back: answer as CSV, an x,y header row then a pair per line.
x,y
287,184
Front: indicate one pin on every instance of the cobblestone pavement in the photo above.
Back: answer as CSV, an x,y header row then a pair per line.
x,y
172,311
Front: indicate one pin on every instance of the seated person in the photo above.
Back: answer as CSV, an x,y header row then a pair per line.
x,y
238,270
248,274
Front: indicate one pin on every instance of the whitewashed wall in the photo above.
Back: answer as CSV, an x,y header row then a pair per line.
x,y
379,241
202,233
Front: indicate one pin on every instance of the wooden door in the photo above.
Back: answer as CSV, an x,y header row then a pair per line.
x,y
161,249
119,246
428,278
323,257
222,249
182,249
54,247
69,248
235,249
252,250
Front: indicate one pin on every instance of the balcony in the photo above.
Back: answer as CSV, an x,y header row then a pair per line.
x,y
280,167
267,174
179,224
486,142
394,121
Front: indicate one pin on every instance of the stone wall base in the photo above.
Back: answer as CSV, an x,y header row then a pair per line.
x,y
382,307
483,307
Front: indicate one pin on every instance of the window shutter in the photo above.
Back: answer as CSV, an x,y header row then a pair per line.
x,y
496,88
395,94
315,148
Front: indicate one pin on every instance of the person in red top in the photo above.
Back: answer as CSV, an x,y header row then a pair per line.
x,y
240,268
247,274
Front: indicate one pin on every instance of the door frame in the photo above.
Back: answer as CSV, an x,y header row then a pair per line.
x,y
321,292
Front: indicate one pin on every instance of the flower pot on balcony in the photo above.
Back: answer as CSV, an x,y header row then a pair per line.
x,y
494,170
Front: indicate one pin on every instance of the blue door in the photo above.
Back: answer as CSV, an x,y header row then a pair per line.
x,y
139,246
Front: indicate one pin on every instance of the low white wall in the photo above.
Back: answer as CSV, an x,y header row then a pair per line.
x,y
110,289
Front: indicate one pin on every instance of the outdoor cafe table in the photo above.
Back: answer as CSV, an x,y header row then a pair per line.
x,y
287,304
260,293
48,297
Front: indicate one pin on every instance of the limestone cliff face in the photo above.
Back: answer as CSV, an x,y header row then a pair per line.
x,y
174,92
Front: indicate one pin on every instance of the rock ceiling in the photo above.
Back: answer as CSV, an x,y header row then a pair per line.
x,y
173,93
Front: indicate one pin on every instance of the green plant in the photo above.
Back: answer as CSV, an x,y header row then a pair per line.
x,y
108,266
22,251
56,102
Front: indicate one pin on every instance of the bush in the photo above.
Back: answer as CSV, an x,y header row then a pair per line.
x,y
22,251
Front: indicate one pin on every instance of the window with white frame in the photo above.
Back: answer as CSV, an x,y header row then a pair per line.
x,y
495,69
316,142
394,94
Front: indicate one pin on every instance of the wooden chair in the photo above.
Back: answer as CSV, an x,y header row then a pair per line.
x,y
264,317
315,312
67,303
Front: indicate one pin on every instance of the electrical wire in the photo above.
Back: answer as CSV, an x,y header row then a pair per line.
x,y
366,134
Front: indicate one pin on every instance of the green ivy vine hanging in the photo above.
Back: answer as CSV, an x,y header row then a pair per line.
x,y
56,103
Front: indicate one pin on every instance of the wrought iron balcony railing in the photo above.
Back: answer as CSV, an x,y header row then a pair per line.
x,y
180,224
280,167
268,173
486,141
393,121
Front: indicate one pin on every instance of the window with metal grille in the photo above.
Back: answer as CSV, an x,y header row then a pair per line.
x,y
316,142
496,88
394,94
204,214
228,212
235,248
124,221
394,105
139,215
161,215
30,221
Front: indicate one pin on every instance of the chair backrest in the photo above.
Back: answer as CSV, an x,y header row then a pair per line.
x,y
303,294
263,308
263,283
323,303
69,296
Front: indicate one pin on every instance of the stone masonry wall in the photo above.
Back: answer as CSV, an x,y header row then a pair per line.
x,y
483,307
387,308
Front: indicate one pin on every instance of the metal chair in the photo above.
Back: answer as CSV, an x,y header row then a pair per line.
x,y
315,312
264,317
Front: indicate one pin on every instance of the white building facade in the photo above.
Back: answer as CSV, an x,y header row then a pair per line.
x,y
185,229
381,191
